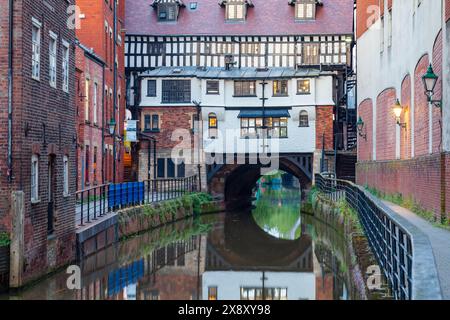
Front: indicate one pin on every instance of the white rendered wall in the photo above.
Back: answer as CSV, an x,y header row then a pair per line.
x,y
414,31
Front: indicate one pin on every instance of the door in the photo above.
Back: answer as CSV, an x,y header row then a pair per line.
x,y
51,195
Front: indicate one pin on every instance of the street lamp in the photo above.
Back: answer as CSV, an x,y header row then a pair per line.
x,y
112,127
398,108
429,81
360,127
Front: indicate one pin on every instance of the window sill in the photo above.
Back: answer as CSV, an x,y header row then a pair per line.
x,y
249,96
51,237
35,201
66,195
304,126
280,95
303,94
213,93
260,138
36,78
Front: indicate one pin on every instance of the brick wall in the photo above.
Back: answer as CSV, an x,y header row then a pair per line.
x,y
89,132
367,15
447,10
386,125
417,178
437,117
96,13
447,184
421,115
365,145
405,134
324,126
43,124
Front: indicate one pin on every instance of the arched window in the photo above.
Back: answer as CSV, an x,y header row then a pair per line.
x,y
212,125
304,120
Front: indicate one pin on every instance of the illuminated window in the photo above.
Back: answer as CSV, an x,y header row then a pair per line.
x,y
280,88
303,87
212,125
212,293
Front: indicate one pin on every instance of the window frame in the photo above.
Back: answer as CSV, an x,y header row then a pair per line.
x,y
153,92
248,94
208,88
303,92
271,123
53,58
36,44
172,88
279,83
303,120
66,190
34,181
232,8
65,65
305,5
166,9
213,126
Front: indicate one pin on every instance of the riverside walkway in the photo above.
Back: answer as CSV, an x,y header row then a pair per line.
x,y
439,240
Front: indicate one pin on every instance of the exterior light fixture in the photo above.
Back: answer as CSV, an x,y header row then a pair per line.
x,y
429,82
112,126
398,108
360,127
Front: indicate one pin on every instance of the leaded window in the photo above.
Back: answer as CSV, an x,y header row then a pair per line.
x,y
176,91
253,127
244,88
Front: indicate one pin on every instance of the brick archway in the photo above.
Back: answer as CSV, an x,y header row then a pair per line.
x,y
235,182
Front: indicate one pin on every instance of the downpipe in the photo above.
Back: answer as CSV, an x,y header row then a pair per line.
x,y
10,88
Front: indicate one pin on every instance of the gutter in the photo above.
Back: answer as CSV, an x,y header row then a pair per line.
x,y
10,89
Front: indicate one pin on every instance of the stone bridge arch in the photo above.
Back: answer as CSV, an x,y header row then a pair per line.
x,y
235,182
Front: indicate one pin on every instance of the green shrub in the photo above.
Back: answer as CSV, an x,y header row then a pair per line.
x,y
4,239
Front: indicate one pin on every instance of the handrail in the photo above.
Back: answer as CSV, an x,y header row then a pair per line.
x,y
402,250
95,202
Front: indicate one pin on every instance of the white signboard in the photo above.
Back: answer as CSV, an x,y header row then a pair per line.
x,y
132,130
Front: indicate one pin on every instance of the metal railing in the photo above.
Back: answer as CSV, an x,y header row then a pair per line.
x,y
391,242
94,203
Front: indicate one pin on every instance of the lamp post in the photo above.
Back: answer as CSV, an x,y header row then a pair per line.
x,y
429,81
112,132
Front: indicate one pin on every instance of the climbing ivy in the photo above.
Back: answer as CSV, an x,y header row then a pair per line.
x,y
4,239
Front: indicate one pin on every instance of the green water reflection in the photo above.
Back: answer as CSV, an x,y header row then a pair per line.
x,y
277,207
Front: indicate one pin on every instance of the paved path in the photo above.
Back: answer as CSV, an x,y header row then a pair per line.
x,y
440,242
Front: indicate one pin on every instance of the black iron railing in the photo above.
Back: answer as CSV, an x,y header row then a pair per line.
x,y
391,243
93,203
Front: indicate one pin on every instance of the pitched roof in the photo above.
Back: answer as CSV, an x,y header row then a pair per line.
x,y
267,17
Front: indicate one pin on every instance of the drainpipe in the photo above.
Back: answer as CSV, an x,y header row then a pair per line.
x,y
115,92
10,89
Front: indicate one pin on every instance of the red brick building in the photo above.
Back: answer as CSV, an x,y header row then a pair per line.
x,y
37,147
397,42
91,118
96,31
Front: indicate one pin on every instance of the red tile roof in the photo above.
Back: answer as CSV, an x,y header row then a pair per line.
x,y
267,17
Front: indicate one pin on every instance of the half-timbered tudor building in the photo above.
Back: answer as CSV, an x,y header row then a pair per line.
x,y
261,76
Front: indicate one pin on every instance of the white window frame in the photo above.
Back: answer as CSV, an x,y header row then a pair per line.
x,y
66,176
52,54
95,102
36,49
34,181
65,65
87,83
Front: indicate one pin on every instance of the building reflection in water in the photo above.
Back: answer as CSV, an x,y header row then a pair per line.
x,y
223,256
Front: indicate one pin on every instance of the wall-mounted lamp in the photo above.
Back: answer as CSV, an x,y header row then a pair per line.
x,y
429,82
112,127
398,109
360,125
27,129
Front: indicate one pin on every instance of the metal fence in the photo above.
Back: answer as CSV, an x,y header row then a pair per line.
x,y
95,202
390,242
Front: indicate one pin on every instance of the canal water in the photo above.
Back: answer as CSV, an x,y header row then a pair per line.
x,y
272,251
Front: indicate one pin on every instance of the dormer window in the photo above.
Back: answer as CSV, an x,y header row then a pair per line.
x,y
236,10
305,9
167,10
